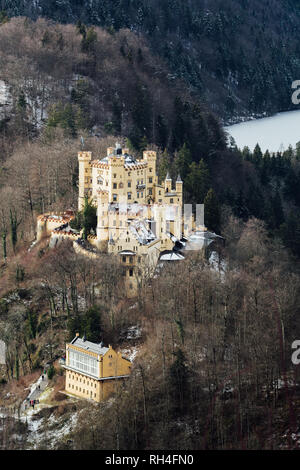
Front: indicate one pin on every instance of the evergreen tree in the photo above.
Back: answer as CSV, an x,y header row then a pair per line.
x,y
89,218
179,380
183,161
163,166
257,156
212,215
92,324
290,233
197,181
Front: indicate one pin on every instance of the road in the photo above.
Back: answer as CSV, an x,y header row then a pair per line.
x,y
36,390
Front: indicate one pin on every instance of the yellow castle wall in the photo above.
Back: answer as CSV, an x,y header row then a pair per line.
x,y
112,364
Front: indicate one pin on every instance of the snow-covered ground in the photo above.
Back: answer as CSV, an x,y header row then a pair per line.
x,y
274,133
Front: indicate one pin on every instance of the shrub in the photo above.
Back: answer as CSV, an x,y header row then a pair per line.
x,y
51,372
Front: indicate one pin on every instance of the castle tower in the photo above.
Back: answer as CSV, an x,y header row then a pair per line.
x,y
85,177
168,183
179,189
150,157
116,164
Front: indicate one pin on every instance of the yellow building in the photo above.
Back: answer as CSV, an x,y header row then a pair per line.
x,y
92,370
137,218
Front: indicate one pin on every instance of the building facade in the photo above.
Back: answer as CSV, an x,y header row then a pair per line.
x,y
136,216
93,371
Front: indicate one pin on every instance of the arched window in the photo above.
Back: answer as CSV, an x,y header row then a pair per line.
x,y
99,180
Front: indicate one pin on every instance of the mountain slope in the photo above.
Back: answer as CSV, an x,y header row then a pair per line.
x,y
240,56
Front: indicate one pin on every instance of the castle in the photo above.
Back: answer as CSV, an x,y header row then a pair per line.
x,y
139,219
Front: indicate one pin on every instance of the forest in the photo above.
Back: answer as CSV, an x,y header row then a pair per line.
x,y
238,56
213,366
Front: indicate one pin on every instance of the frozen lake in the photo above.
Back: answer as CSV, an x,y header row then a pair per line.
x,y
273,133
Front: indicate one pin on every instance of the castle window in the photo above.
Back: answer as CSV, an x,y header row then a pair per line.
x,y
150,180
115,185
129,184
171,200
115,175
121,185
129,195
124,259
115,197
130,272
130,259
159,192
150,191
150,169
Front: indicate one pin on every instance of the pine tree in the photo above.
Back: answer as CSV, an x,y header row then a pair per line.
x,y
183,161
179,380
92,324
212,214
257,156
197,181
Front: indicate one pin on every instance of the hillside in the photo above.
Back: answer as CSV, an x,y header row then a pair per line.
x,y
59,82
232,54
212,366
98,81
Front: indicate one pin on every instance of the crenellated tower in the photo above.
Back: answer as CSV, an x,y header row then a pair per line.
x,y
85,177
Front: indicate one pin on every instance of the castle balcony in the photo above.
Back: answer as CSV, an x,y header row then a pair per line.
x,y
140,186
